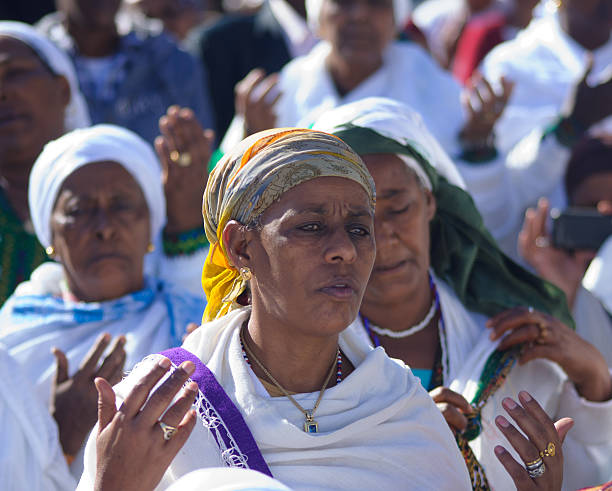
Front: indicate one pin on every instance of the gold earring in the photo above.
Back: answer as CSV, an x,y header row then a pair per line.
x,y
50,251
150,248
245,274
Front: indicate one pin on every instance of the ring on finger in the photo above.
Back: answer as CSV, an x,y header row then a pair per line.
x,y
549,451
537,471
542,241
541,339
181,158
168,430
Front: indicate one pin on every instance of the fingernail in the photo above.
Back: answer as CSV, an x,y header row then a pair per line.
x,y
192,386
525,396
164,363
503,422
188,366
492,336
499,450
509,403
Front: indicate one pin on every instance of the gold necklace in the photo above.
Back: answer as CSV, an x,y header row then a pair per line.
x,y
310,425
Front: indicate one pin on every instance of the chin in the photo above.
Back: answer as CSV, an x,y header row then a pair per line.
x,y
335,319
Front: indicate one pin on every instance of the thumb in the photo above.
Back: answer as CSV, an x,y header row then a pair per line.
x,y
61,363
563,426
106,403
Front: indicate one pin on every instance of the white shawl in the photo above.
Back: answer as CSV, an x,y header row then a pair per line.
x,y
379,427
31,457
587,448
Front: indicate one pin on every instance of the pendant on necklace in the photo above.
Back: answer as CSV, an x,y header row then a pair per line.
x,y
310,425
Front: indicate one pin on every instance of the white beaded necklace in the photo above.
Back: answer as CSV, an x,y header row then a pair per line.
x,y
411,330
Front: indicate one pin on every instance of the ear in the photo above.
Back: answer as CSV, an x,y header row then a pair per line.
x,y
430,204
64,90
236,244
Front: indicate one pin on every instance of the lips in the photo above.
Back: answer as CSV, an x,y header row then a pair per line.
x,y
9,117
341,288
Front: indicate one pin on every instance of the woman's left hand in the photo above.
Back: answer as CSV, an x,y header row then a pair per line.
x,y
184,149
543,336
543,444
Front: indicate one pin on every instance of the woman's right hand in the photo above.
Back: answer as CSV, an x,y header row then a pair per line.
x,y
541,433
256,96
73,399
133,452
453,407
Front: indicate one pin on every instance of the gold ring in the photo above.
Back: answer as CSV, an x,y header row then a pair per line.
x,y
549,451
541,339
534,463
168,430
182,159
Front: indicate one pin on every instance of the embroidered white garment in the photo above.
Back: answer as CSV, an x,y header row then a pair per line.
x,y
588,446
378,428
31,456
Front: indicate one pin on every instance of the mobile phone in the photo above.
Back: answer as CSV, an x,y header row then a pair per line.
x,y
580,228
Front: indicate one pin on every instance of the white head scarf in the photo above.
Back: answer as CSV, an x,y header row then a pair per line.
x,y
76,114
401,12
61,157
398,122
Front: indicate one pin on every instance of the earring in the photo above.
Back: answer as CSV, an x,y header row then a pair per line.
x,y
50,251
150,248
245,274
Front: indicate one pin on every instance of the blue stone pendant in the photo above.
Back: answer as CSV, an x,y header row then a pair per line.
x,y
311,426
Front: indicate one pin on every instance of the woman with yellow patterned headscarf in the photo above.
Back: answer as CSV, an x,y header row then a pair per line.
x,y
290,214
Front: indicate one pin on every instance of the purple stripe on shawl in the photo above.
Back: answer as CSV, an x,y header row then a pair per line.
x,y
229,413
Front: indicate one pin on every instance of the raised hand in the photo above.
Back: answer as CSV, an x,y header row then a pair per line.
x,y
543,336
184,149
560,267
541,451
133,437
483,107
256,96
453,406
73,399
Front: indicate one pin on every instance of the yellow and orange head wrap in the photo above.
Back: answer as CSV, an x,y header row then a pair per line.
x,y
253,176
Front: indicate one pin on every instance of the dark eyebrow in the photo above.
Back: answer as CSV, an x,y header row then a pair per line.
x,y
356,212
390,193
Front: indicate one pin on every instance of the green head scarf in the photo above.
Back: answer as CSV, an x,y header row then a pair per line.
x,y
463,253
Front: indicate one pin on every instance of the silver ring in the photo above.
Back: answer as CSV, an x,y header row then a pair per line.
x,y
530,309
537,471
168,430
542,241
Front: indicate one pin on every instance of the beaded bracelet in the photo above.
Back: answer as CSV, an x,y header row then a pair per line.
x,y
185,243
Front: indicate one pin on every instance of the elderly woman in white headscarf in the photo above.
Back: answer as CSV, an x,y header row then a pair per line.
x,y
98,206
39,100
475,327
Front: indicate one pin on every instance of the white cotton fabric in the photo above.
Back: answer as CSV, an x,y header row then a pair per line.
x,y
588,446
226,479
61,157
379,428
76,114
545,63
398,122
31,457
597,277
401,12
408,75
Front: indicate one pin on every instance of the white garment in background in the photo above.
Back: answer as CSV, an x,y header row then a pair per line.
x,y
298,36
31,456
545,63
379,428
588,446
598,277
408,75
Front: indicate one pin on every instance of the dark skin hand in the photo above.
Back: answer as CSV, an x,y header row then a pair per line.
x,y
453,407
130,437
540,430
181,134
255,102
543,336
587,104
74,398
